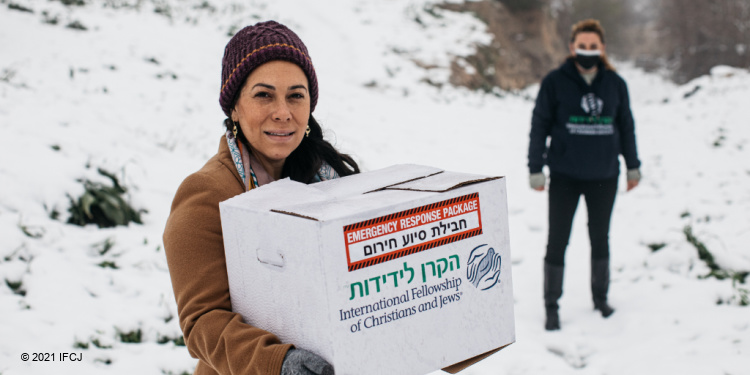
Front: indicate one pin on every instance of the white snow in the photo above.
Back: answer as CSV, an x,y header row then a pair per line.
x,y
137,94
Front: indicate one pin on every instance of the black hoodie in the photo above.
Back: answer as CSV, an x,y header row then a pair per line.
x,y
589,126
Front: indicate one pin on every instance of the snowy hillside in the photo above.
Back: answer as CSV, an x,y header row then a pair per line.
x,y
136,94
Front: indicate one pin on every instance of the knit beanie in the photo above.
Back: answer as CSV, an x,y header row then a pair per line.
x,y
258,44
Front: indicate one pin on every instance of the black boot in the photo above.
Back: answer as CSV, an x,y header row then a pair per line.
x,y
600,286
553,280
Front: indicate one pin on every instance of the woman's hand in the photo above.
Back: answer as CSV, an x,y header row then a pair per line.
x,y
634,177
303,362
537,181
632,184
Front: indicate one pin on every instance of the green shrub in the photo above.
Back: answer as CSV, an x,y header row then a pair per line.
x,y
108,264
16,287
704,254
738,277
79,3
31,231
132,337
99,345
180,341
105,246
76,25
20,8
102,205
105,361
80,345
656,246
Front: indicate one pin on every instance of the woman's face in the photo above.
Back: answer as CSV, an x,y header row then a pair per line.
x,y
273,110
587,41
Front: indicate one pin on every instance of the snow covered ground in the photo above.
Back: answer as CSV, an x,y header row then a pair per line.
x,y
136,93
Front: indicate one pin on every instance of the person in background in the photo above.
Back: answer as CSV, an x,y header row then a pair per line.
x,y
584,109
268,92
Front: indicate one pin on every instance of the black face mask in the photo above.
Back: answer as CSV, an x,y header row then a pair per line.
x,y
587,59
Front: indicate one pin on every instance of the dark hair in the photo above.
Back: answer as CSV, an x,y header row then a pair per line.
x,y
587,26
304,162
591,26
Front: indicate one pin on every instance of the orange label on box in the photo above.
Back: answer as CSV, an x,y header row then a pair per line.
x,y
407,232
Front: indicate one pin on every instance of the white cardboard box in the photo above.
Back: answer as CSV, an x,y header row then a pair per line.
x,y
403,270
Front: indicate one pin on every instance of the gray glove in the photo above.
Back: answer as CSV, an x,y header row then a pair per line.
x,y
302,362
634,174
537,180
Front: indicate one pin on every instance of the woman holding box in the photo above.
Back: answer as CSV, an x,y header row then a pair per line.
x,y
584,108
269,89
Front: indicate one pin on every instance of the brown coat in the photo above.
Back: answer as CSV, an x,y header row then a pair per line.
x,y
194,246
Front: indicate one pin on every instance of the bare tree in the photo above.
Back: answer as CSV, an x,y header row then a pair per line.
x,y
698,35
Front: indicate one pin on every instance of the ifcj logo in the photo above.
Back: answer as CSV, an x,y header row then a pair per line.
x,y
483,269
592,104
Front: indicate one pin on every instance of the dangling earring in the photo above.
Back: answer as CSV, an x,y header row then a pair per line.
x,y
307,131
234,129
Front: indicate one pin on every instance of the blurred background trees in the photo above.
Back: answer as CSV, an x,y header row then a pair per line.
x,y
697,35
683,39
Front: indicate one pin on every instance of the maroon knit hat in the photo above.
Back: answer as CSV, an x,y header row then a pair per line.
x,y
258,44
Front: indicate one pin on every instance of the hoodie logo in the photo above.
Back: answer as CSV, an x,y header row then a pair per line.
x,y
591,104
483,269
